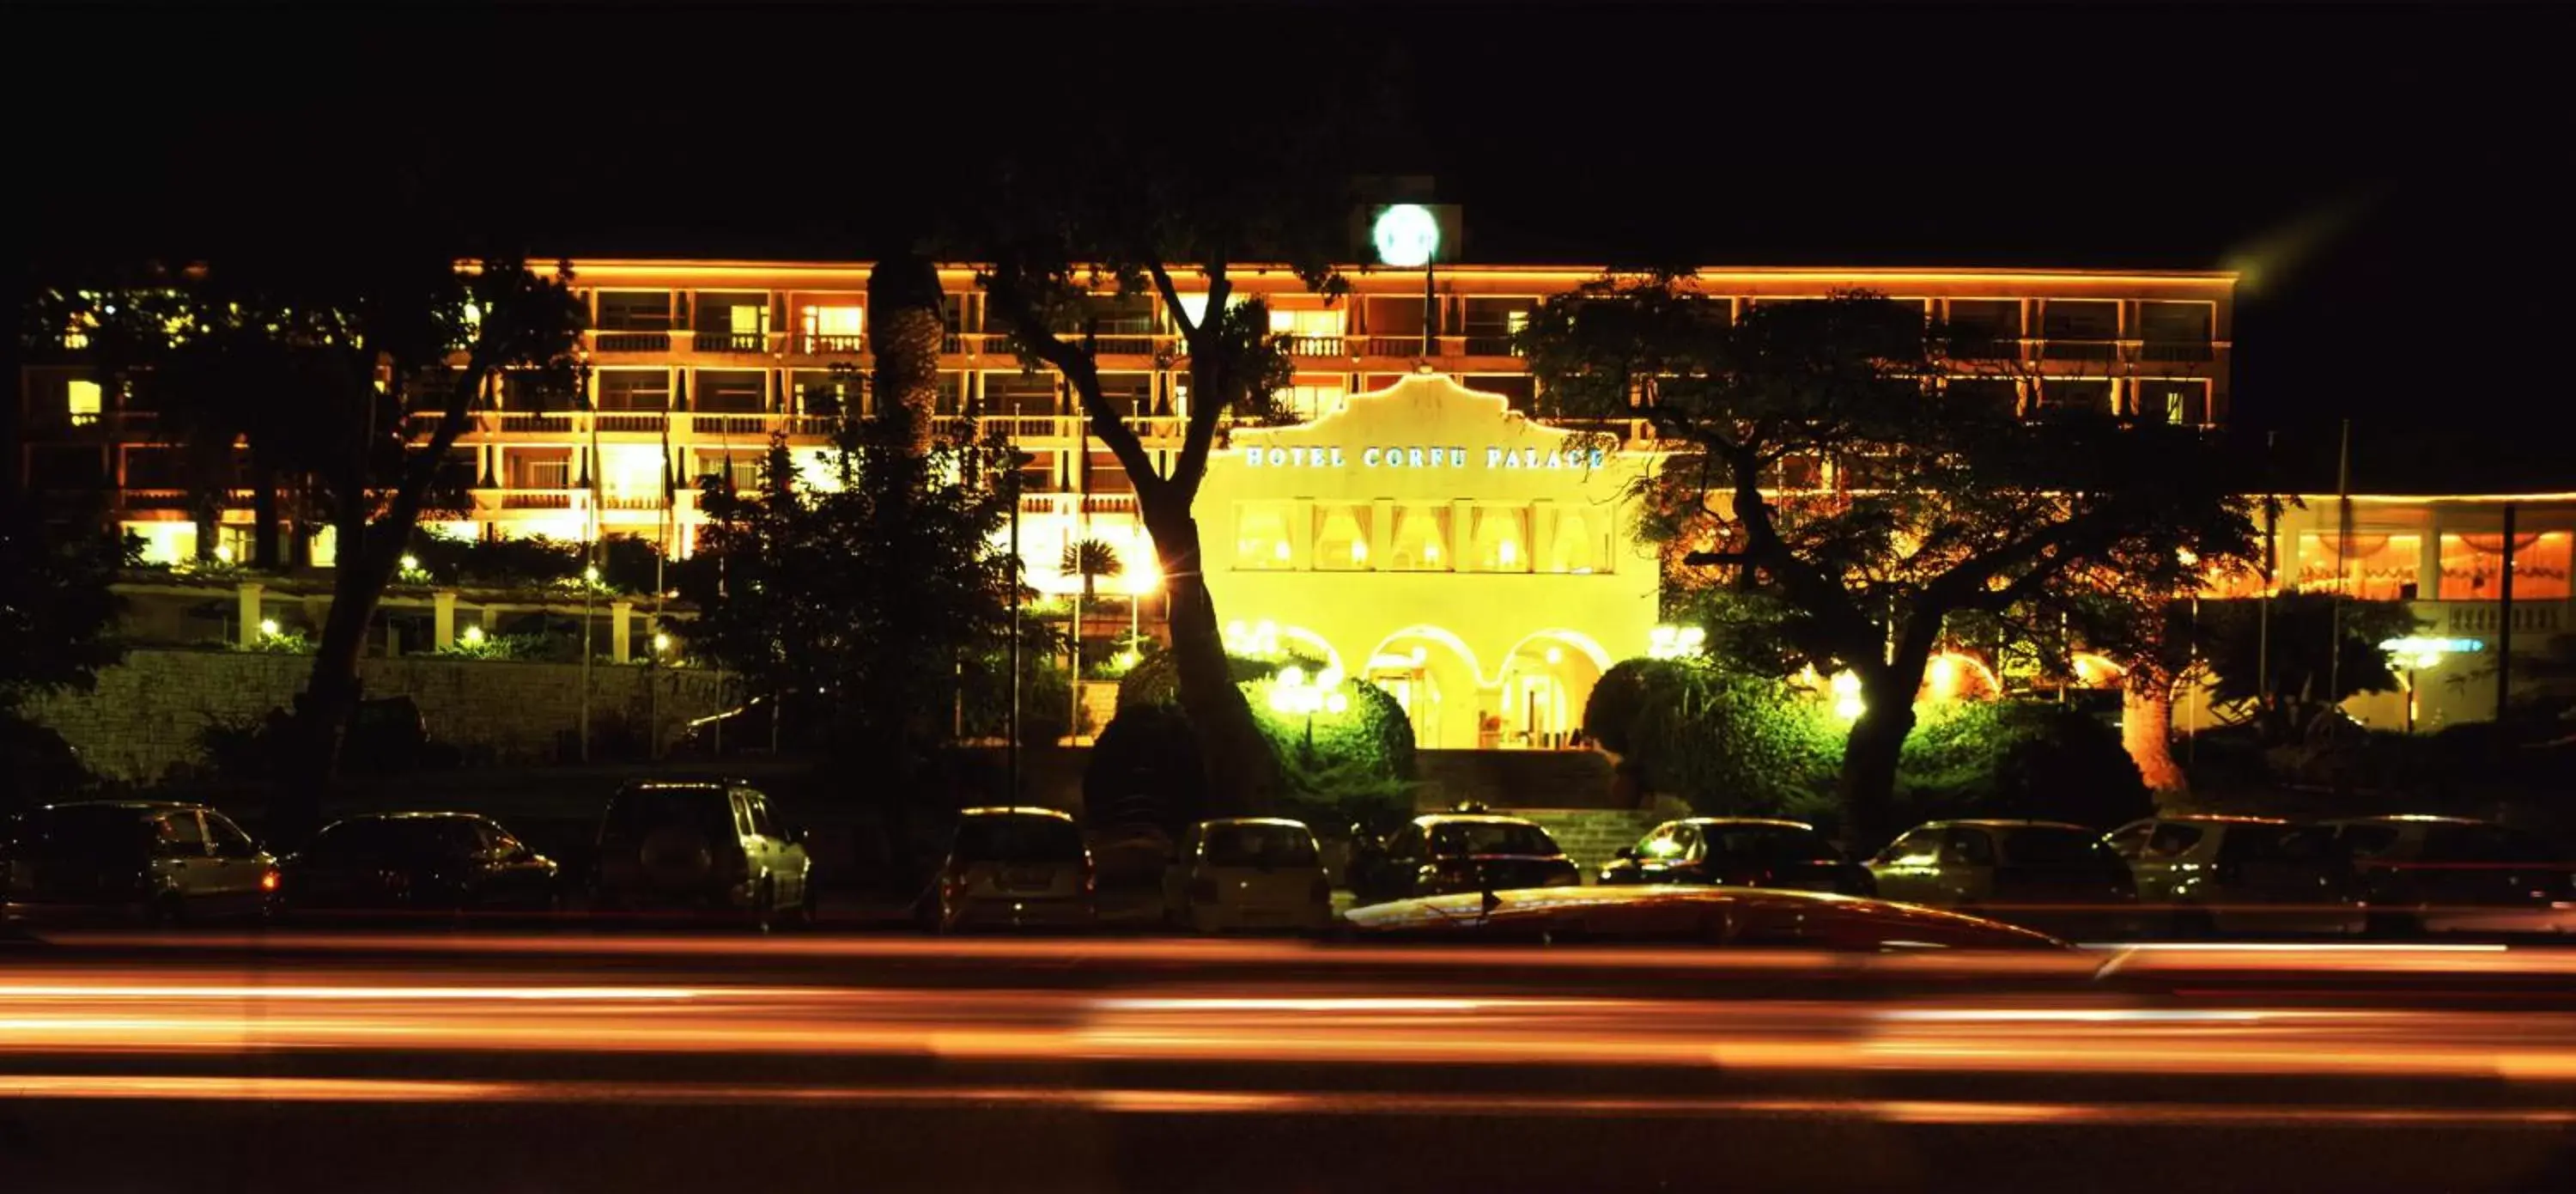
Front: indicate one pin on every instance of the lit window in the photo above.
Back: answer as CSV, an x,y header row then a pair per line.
x,y
1499,535
1261,540
835,322
1310,403
1306,323
2473,566
2372,565
1420,533
83,403
1573,549
747,320
1341,541
631,471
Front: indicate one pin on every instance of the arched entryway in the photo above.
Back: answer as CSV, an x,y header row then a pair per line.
x,y
1546,679
1435,677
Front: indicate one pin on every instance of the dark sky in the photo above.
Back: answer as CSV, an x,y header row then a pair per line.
x,y
2388,176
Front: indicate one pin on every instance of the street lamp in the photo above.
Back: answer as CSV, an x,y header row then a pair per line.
x,y
2419,653
1848,704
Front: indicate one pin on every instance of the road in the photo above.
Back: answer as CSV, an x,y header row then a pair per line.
x,y
510,1061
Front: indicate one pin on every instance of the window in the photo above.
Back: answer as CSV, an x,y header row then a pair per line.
x,y
1501,540
1967,847
634,310
1451,839
1421,542
1019,394
1406,844
835,329
539,468
1261,539
1310,332
82,402
737,314
1260,844
228,839
2067,393
1985,321
1770,843
1312,402
1342,538
1574,548
819,392
2185,403
1686,843
634,389
2172,840
2080,319
732,391
1018,838
1658,844
2473,565
526,390
2131,841
758,806
178,833
2040,846
2367,841
2373,565
2176,323
1917,849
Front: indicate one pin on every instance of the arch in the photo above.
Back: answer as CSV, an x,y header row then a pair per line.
x,y
1322,646
1438,635
2096,670
1942,671
1573,638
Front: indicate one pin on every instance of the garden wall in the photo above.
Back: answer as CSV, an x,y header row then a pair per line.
x,y
146,715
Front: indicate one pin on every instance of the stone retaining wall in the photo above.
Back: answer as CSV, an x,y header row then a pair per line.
x,y
146,715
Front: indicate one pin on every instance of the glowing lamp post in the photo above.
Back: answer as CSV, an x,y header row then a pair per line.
x,y
1407,236
2417,653
1295,694
1848,704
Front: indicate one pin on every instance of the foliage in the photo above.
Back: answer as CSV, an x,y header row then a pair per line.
x,y
1090,559
627,563
1727,742
1155,680
1144,769
36,764
57,613
1357,767
502,646
2321,651
1046,694
284,642
1735,745
1927,501
854,601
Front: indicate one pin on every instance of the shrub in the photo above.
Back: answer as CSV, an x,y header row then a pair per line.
x,y
1357,768
2018,759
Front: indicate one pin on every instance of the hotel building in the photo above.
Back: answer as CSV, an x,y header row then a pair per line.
x,y
1421,527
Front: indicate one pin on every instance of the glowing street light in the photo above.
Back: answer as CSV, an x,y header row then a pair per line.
x,y
473,636
1675,642
268,627
1406,235
1848,704
661,642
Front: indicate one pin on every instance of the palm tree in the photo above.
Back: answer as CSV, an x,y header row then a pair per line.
x,y
906,328
1089,559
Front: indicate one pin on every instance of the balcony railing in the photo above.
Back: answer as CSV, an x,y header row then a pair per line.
x,y
630,341
1986,348
1069,504
625,420
536,423
832,346
737,342
2487,617
2079,350
532,499
2177,350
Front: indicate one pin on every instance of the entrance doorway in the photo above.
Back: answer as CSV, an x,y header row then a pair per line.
x,y
1545,684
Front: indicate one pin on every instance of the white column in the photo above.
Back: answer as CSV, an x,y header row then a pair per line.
x,y
442,618
248,596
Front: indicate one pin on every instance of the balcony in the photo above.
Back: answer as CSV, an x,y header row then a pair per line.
x,y
2485,619
838,346
2079,350
740,343
530,499
1112,505
2177,351
630,341
1986,348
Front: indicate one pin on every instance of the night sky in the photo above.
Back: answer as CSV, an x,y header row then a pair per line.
x,y
2389,177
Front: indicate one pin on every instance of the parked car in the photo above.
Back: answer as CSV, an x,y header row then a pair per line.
x,y
1644,914
707,846
1248,873
1015,867
417,862
2456,875
2212,874
1439,853
1739,852
154,861
2045,874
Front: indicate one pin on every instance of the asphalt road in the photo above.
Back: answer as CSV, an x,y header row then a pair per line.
x,y
543,1062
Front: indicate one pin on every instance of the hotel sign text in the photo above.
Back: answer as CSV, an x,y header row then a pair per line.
x,y
1407,456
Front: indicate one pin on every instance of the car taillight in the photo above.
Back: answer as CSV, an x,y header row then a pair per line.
x,y
1322,891
268,879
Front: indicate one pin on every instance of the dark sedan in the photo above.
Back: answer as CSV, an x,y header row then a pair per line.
x,y
1739,852
418,862
1450,852
1670,915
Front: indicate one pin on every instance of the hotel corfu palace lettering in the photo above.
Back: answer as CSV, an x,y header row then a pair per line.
x,y
1336,456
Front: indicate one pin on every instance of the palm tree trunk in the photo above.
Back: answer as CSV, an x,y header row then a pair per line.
x,y
906,329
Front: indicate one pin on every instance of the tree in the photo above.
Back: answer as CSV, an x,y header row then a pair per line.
x,y
57,629
1838,483
906,328
365,369
847,597
2303,657
1134,218
1089,559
